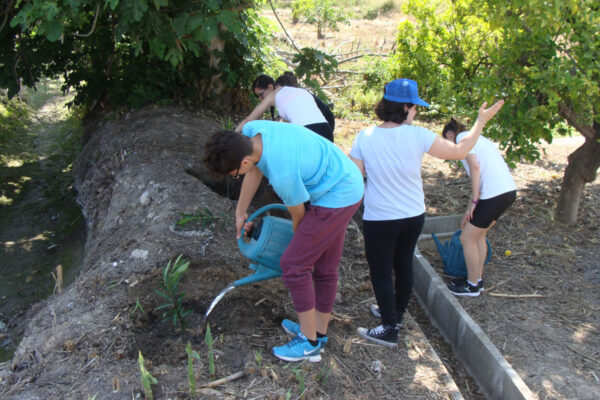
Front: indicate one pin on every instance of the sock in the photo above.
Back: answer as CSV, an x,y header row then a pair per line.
x,y
479,280
313,343
471,283
320,335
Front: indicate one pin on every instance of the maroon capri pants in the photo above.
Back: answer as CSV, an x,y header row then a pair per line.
x,y
310,262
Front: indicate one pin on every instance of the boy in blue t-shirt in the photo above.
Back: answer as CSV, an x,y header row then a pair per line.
x,y
301,166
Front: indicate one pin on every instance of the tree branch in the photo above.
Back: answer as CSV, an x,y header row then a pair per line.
x,y
283,27
93,24
574,120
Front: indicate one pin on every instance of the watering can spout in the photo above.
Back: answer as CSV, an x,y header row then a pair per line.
x,y
262,273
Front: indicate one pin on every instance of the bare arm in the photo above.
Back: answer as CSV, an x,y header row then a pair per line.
x,y
259,110
475,187
249,186
297,213
360,164
447,150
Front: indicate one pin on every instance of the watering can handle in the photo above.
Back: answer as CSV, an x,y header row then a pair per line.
x,y
259,212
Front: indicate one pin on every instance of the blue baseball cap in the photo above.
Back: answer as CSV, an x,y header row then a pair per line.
x,y
403,91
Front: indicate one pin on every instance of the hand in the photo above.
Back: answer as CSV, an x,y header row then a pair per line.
x,y
240,222
485,114
468,215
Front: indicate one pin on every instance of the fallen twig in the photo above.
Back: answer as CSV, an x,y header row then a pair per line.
x,y
498,284
221,381
582,354
518,296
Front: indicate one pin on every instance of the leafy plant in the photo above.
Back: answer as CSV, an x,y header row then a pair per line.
x,y
191,375
299,374
314,62
205,218
147,379
208,339
173,308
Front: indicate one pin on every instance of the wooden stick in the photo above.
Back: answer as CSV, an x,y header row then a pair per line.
x,y
495,286
221,381
584,355
517,296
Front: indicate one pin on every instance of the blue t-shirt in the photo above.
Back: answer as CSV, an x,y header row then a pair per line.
x,y
302,165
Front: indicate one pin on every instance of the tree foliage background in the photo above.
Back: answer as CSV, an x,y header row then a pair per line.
x,y
542,57
132,52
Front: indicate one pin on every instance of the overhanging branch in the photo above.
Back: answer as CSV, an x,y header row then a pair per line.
x,y
93,24
574,120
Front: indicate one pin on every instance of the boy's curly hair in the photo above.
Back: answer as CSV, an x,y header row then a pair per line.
x,y
455,126
225,150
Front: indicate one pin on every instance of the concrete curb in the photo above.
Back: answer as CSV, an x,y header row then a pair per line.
x,y
483,361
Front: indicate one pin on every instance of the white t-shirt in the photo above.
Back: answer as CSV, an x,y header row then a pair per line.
x,y
494,178
298,106
392,159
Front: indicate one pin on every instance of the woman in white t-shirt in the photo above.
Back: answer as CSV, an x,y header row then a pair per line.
x,y
390,157
493,192
294,104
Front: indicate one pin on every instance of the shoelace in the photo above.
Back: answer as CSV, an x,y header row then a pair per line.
x,y
378,330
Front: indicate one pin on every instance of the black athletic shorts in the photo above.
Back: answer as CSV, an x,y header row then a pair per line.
x,y
323,129
489,210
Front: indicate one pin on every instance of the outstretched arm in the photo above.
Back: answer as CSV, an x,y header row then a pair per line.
x,y
259,110
447,150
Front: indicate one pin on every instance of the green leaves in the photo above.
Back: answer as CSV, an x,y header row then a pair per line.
x,y
171,275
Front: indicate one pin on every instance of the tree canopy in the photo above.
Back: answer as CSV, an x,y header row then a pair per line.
x,y
131,52
542,57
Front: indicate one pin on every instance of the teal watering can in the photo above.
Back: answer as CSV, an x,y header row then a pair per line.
x,y
453,256
267,243
268,240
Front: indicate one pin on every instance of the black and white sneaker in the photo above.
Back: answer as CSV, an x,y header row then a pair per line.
x,y
383,334
375,311
461,287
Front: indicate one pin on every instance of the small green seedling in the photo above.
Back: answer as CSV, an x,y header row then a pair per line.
x,y
258,358
147,379
299,374
204,218
138,306
191,376
174,310
208,339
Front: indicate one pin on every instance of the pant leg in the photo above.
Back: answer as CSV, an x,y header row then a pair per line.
x,y
309,264
380,243
406,242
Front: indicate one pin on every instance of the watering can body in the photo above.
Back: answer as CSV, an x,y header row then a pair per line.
x,y
266,245
453,256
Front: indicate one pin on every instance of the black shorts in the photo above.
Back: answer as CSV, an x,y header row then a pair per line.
x,y
489,210
323,129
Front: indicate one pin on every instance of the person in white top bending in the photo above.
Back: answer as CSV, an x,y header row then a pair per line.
x,y
294,104
390,157
493,192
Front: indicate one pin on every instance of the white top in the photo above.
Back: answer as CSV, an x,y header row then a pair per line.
x,y
392,159
494,178
298,106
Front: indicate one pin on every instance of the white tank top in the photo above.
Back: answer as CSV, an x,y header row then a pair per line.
x,y
298,106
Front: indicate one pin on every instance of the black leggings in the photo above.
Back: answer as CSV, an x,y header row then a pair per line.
x,y
390,246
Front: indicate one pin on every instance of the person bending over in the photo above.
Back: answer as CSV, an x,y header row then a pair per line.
x,y
493,192
294,104
300,166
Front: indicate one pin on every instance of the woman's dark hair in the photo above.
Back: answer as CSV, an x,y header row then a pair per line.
x,y
262,82
390,111
287,79
225,150
453,126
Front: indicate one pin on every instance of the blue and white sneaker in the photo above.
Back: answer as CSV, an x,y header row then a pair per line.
x,y
293,328
298,349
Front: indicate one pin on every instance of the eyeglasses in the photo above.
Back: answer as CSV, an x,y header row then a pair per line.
x,y
237,174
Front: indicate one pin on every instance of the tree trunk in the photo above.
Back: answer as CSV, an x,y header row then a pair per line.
x,y
582,168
